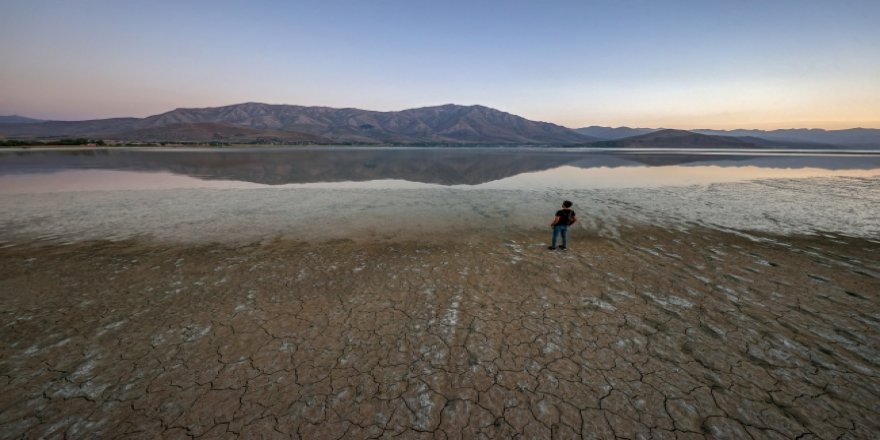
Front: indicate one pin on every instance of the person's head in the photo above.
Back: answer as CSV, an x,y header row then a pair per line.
x,y
567,204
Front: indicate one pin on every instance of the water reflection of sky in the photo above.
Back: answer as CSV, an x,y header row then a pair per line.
x,y
76,170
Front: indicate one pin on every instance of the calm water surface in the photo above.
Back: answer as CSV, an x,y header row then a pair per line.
x,y
281,191
108,169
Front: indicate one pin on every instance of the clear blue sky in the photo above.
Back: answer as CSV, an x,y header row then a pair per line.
x,y
680,64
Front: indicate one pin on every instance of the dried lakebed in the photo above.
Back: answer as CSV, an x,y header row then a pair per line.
x,y
645,333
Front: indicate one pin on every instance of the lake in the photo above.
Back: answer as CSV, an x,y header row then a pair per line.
x,y
248,194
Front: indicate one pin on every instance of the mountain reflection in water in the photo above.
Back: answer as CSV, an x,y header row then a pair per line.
x,y
442,166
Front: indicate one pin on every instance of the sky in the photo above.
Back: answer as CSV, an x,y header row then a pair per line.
x,y
675,64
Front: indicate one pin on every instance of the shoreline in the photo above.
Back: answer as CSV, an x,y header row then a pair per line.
x,y
196,215
539,147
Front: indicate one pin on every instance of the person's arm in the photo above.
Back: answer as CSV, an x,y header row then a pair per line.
x,y
555,221
574,219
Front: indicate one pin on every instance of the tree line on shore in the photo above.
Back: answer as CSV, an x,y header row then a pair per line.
x,y
36,143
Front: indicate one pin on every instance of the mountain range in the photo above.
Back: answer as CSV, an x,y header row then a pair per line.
x,y
441,124
446,124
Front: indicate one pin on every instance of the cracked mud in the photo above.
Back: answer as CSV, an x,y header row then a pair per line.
x,y
664,334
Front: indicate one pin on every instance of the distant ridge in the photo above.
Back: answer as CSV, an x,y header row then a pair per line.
x,y
16,119
793,138
440,124
850,137
669,138
612,133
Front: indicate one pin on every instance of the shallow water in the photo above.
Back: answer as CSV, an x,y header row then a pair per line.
x,y
306,193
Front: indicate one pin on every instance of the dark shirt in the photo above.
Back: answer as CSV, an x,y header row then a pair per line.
x,y
565,216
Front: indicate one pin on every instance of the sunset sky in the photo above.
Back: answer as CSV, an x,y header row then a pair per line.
x,y
676,64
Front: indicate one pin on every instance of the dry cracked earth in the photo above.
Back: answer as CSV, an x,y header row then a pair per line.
x,y
665,334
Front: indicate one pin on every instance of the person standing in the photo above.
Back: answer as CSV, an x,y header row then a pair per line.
x,y
565,217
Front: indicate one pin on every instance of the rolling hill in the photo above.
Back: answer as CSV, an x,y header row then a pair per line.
x,y
851,137
678,139
16,119
784,138
612,133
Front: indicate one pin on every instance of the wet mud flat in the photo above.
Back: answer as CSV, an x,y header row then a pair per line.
x,y
659,333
